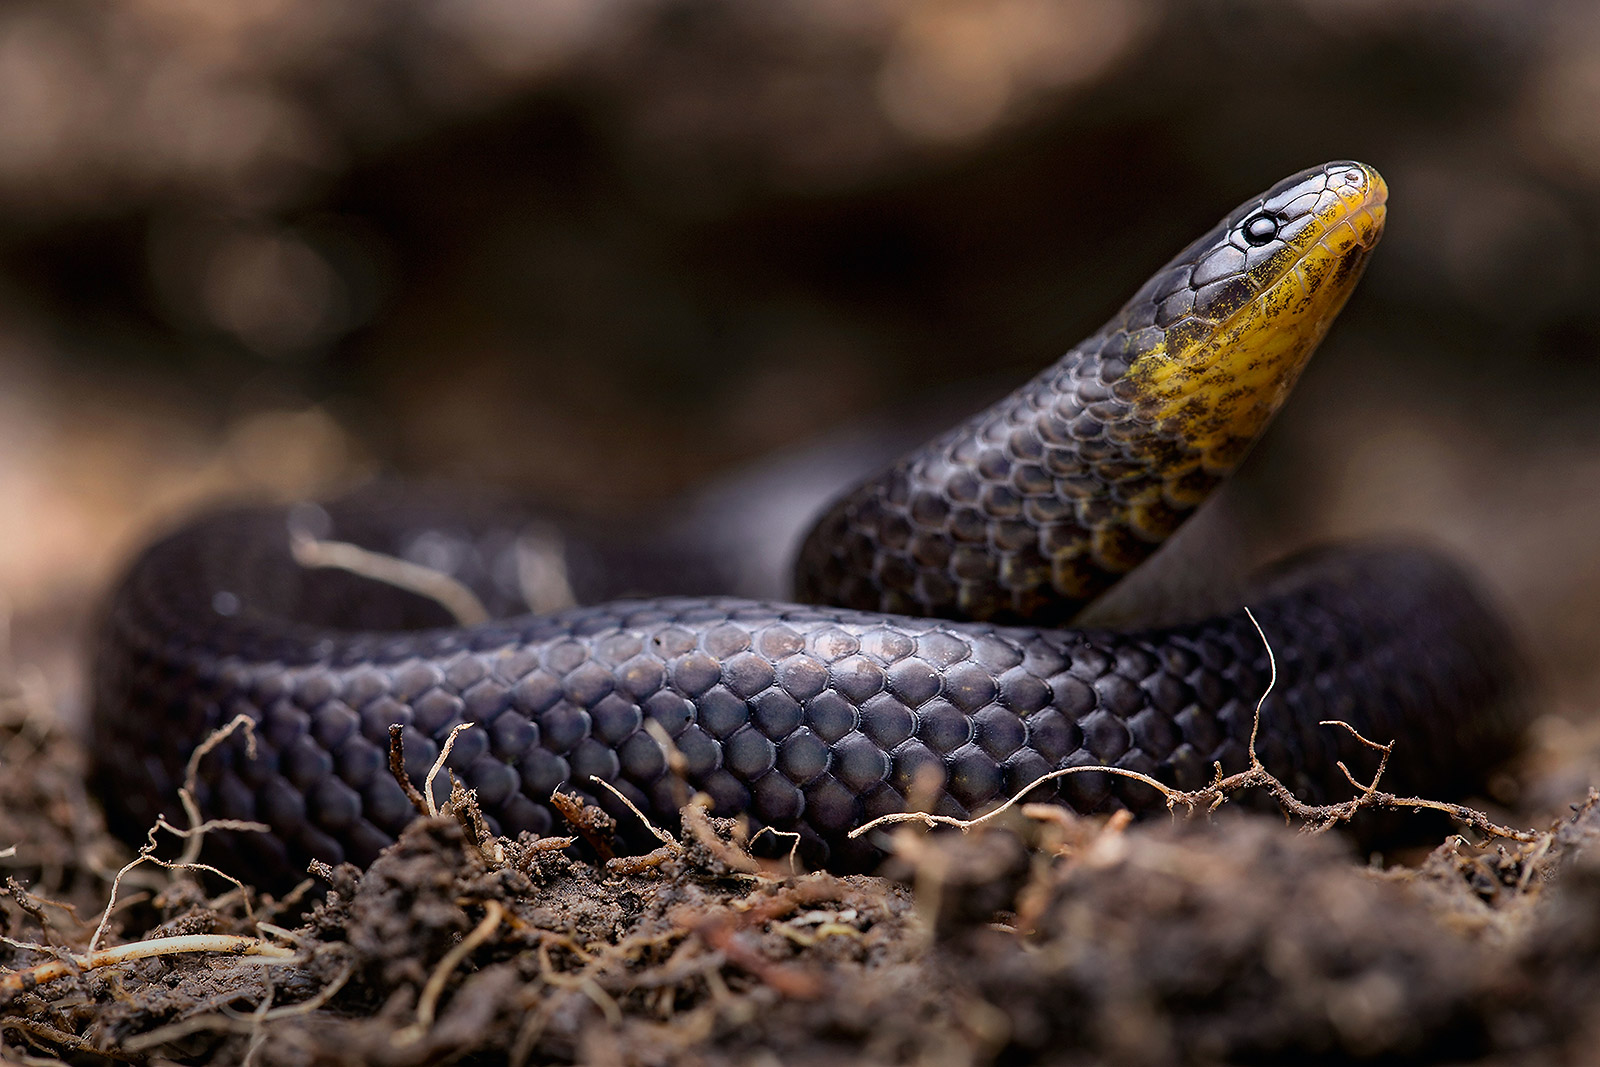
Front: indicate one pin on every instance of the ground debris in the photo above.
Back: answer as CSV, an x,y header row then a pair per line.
x,y
1042,937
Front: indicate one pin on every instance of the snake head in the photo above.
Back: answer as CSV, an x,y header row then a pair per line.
x,y
1036,506
1216,339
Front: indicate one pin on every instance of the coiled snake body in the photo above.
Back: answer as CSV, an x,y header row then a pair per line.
x,y
932,641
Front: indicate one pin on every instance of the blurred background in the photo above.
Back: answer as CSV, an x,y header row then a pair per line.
x,y
603,251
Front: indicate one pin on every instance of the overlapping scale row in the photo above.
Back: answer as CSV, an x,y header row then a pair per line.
x,y
806,719
1031,509
1025,514
811,719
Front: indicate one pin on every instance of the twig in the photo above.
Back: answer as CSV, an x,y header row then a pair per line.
x,y
794,847
695,821
463,804
1174,797
194,835
30,906
639,864
661,835
541,554
231,944
46,1033
438,765
677,762
593,824
1272,681
195,838
397,767
450,594
1315,818
145,856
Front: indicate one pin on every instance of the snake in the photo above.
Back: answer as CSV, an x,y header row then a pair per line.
x,y
929,659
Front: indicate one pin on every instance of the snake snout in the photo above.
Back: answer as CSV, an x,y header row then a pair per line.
x,y
1365,197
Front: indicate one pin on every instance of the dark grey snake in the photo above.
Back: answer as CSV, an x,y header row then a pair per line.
x,y
932,634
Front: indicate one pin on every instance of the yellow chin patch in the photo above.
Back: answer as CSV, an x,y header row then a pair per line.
x,y
1213,387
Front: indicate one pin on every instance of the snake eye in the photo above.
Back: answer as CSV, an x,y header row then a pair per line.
x,y
1261,229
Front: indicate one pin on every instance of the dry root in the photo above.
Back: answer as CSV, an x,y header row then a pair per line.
x,y
67,963
701,954
456,598
1314,818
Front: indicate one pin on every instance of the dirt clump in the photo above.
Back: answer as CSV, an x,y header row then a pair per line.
x,y
1039,938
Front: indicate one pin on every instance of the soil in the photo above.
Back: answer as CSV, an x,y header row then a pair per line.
x,y
1043,938
268,249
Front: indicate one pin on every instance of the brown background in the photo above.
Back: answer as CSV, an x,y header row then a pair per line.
x,y
606,250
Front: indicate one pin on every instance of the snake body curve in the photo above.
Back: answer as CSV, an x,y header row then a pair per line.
x,y
931,649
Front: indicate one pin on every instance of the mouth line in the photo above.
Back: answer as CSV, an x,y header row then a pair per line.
x,y
1184,364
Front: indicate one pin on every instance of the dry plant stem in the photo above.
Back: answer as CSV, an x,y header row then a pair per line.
x,y
1531,862
794,846
648,862
191,773
694,819
542,577
438,765
210,1023
550,844
29,905
195,1024
660,835
27,946
592,824
453,596
231,944
428,1002
60,1038
463,804
721,935
582,982
193,835
145,856
1315,818
397,767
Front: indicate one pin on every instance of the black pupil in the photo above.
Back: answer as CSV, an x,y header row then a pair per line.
x,y
1261,229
